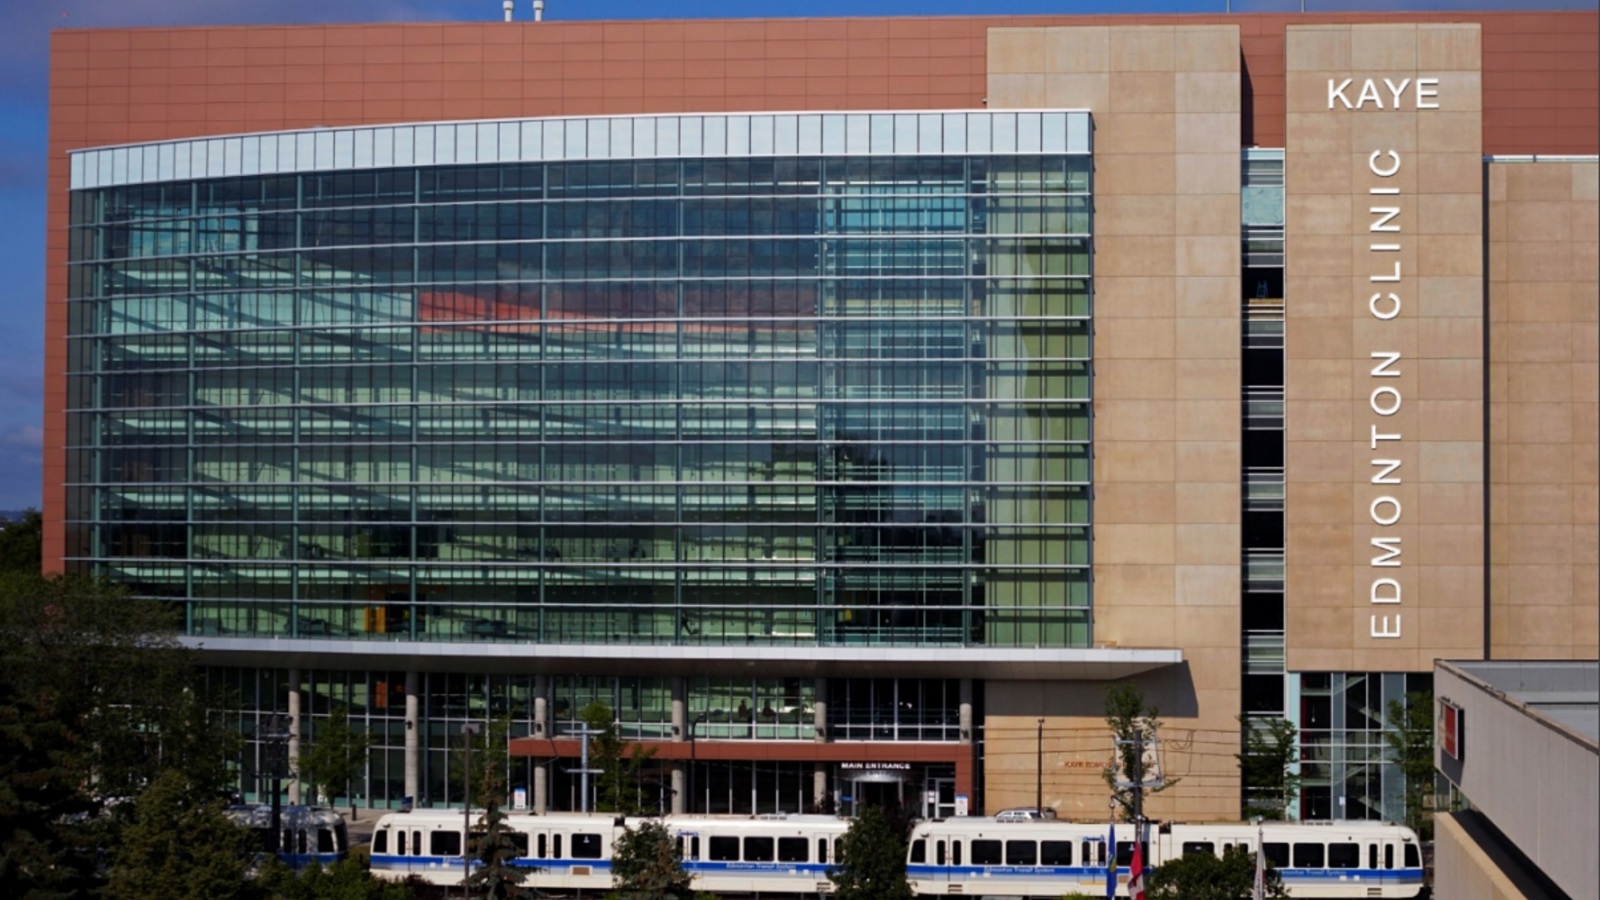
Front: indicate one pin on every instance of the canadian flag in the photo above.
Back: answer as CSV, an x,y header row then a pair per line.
x,y
1136,874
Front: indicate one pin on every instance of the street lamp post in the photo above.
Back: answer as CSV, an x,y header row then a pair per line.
x,y
277,736
1038,771
469,730
693,725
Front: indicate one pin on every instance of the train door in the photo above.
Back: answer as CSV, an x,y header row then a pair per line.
x,y
1389,859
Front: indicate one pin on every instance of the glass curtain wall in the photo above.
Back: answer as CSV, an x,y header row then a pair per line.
x,y
800,401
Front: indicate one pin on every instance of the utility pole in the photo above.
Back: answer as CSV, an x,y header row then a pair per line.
x,y
1138,784
585,732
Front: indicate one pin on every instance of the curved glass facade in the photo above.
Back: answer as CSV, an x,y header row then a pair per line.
x,y
802,400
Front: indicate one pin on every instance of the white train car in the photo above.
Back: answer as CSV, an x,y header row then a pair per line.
x,y
561,851
777,854
310,834
1047,859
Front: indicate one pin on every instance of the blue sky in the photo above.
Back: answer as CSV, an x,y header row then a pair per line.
x,y
24,50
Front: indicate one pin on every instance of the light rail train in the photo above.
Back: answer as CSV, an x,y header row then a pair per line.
x,y
731,855
309,833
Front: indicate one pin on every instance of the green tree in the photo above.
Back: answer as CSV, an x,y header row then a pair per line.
x,y
872,858
646,866
1271,749
490,761
618,788
1203,876
180,843
1129,718
1409,736
348,879
95,699
336,757
20,543
496,875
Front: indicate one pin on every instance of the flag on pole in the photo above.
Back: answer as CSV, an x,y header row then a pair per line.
x,y
1111,863
1259,892
1136,874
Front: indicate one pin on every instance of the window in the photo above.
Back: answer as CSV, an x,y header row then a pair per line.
x,y
1388,856
1308,856
519,841
724,849
1022,853
1094,853
586,846
986,853
1199,847
444,843
758,849
793,849
822,850
1344,856
402,843
955,853
1125,852
325,842
1277,854
1055,853
919,851
380,841
1413,858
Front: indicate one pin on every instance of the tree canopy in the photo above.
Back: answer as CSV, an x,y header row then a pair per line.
x,y
646,866
1134,727
1266,761
1409,737
872,857
1203,876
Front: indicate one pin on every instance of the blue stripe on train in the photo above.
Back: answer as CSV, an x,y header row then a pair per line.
x,y
1302,876
386,860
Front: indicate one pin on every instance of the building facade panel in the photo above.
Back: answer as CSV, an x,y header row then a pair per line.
x,y
1378,116
1165,140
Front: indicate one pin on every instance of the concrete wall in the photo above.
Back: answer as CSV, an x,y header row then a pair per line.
x,y
1539,785
1348,148
1544,396
1166,105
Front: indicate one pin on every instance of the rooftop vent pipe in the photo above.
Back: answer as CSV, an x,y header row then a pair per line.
x,y
538,10
506,6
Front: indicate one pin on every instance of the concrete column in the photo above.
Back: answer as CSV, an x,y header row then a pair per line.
x,y
965,714
819,784
414,737
680,732
292,761
541,729
820,710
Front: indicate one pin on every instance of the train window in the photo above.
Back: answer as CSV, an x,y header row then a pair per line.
x,y
792,849
444,843
539,848
1344,856
694,847
1055,853
401,837
1125,852
758,849
586,846
1199,847
822,850
955,853
1308,856
724,849
301,845
380,840
1022,853
1094,853
1388,856
1277,854
986,853
519,844
555,846
325,842
1413,858
919,851
938,853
